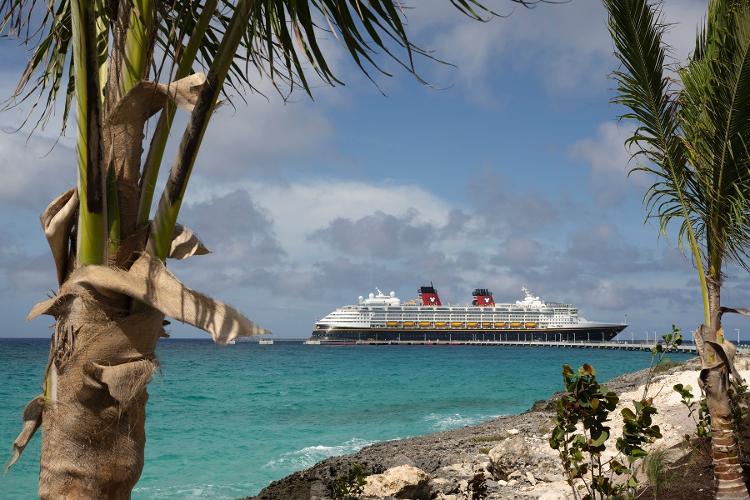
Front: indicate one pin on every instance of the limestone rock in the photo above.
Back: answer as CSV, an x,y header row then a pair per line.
x,y
459,470
443,486
528,454
530,478
492,484
404,481
401,459
509,454
485,466
559,490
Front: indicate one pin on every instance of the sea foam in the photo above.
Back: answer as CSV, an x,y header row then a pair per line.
x,y
310,455
453,421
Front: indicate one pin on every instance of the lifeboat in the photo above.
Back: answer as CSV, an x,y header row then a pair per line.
x,y
457,324
391,323
500,324
531,324
472,324
486,324
424,323
440,324
515,324
408,323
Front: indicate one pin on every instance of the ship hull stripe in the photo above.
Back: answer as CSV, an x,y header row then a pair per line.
x,y
593,334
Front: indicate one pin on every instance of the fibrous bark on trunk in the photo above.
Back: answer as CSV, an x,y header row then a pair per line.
x,y
93,421
717,365
93,413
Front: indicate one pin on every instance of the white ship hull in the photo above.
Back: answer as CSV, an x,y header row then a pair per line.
x,y
384,317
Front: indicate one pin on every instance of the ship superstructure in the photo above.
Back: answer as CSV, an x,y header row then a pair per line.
x,y
382,316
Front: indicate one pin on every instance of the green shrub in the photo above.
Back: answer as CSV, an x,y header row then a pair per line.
x,y
657,472
697,411
348,486
586,403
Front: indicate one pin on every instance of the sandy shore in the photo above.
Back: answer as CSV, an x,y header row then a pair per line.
x,y
512,452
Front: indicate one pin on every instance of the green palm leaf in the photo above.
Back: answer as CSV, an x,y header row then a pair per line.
x,y
645,89
282,40
716,123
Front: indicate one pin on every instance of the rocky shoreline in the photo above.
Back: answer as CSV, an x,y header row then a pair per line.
x,y
511,453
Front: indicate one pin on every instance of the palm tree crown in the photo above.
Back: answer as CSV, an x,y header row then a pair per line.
x,y
692,137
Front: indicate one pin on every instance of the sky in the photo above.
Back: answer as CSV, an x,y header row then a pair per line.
x,y
507,170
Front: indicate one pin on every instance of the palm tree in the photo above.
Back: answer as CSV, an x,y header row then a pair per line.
x,y
121,63
692,135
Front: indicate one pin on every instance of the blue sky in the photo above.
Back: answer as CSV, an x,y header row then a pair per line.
x,y
508,170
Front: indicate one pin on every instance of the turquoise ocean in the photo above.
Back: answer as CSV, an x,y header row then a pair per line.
x,y
225,421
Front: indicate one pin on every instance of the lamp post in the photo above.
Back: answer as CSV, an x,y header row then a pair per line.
x,y
738,336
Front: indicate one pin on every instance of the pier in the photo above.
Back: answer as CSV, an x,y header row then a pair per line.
x,y
612,345
622,346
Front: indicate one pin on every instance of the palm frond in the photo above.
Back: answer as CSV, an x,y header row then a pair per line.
x,y
92,222
648,94
643,87
282,41
716,123
50,64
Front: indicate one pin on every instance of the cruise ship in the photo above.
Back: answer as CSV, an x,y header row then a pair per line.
x,y
381,317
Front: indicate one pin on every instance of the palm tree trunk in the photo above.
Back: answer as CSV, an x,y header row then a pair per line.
x,y
102,355
715,382
101,359
93,422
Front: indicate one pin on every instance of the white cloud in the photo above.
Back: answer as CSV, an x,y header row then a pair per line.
x,y
605,153
609,163
567,45
236,229
378,235
32,171
298,209
564,45
262,135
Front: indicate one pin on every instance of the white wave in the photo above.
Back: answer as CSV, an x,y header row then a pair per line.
x,y
310,455
455,420
194,491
